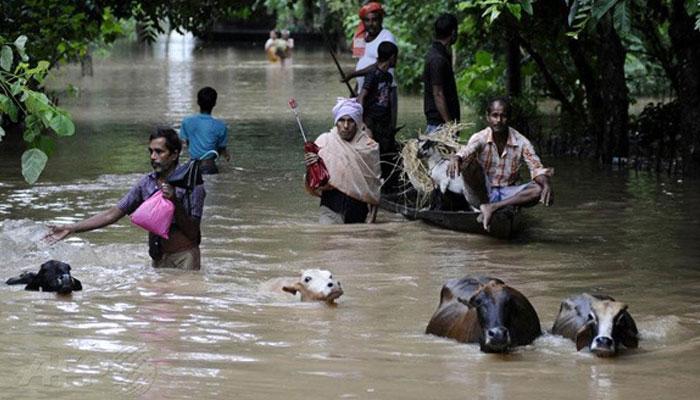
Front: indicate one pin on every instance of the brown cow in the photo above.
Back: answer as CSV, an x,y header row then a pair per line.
x,y
487,311
597,321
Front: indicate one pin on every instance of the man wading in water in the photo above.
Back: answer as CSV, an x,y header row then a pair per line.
x,y
181,249
352,159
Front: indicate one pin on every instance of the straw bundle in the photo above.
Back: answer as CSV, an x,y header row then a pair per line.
x,y
415,170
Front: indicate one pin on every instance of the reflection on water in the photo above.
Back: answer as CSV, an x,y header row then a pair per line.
x,y
135,332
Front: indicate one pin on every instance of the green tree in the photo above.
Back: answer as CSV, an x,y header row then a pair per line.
x,y
55,31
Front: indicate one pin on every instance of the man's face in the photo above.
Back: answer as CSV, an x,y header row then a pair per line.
x,y
373,23
497,118
346,128
161,158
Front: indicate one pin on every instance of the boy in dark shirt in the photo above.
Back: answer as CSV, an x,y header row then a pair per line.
x,y
375,98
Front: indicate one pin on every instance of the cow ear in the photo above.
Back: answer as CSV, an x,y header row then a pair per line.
x,y
584,336
628,330
293,289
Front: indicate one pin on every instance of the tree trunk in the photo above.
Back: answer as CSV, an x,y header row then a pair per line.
x,y
513,57
308,15
684,43
614,92
601,68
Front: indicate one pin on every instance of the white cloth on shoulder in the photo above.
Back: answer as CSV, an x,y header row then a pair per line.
x,y
353,165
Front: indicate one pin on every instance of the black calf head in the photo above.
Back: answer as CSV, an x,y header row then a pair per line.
x,y
53,276
608,325
426,147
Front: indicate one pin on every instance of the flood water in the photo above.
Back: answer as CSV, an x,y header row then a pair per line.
x,y
135,332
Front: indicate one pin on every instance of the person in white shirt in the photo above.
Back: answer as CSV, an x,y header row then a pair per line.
x,y
370,33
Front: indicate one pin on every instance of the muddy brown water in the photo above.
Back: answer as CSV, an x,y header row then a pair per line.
x,y
139,333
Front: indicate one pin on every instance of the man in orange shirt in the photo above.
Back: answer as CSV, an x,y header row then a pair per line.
x,y
491,162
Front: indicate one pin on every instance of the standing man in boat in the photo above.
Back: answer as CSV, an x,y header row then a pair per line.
x,y
491,163
181,249
365,46
440,98
352,160
204,135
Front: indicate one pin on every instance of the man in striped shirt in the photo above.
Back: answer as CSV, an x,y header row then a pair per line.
x,y
491,164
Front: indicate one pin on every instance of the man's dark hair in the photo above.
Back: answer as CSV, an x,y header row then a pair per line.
x,y
206,98
445,24
503,100
386,50
172,140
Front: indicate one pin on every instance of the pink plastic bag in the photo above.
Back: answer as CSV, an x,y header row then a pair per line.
x,y
155,215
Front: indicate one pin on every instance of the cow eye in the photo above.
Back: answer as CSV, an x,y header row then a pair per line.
x,y
307,279
330,277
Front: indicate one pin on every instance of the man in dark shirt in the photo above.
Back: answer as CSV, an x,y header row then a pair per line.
x,y
375,98
440,99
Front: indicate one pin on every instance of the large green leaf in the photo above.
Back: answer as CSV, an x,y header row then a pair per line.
x,y
601,7
515,10
6,58
62,124
20,42
33,163
8,107
622,19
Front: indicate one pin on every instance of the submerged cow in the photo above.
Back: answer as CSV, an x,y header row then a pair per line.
x,y
596,321
487,311
53,276
315,285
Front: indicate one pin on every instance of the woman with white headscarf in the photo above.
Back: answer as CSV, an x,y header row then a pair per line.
x,y
352,159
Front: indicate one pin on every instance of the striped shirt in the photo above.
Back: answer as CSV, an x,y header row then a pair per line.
x,y
503,170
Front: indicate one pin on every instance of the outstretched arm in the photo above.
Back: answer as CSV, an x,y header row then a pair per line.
x,y
108,217
359,72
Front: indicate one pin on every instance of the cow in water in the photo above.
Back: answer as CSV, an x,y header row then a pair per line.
x,y
53,276
485,311
597,322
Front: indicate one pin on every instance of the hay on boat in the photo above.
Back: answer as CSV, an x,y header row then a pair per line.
x,y
415,170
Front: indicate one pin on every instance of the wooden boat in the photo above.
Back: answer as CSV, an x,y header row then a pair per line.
x,y
505,223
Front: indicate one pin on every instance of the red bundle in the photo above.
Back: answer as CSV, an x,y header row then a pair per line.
x,y
316,173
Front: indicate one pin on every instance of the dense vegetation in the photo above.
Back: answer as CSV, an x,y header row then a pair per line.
x,y
592,58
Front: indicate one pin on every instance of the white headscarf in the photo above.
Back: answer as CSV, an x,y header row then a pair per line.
x,y
349,107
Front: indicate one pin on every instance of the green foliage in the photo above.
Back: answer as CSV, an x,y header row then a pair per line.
x,y
33,163
482,79
19,98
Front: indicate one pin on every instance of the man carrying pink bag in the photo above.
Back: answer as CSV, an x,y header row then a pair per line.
x,y
167,202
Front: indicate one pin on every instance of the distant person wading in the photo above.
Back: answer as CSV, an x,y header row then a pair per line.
x,y
205,136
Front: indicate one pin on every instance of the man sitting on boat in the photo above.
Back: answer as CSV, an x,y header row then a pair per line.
x,y
352,159
491,163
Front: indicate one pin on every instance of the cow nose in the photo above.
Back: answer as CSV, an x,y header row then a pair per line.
x,y
497,335
604,341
